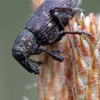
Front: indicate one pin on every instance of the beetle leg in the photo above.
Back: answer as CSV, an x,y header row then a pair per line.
x,y
62,33
34,61
78,9
54,13
53,54
55,9
57,51
70,10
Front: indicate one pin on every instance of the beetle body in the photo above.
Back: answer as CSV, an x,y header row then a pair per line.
x,y
44,27
43,24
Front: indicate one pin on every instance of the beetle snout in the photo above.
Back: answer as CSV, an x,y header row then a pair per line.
x,y
24,46
25,62
18,55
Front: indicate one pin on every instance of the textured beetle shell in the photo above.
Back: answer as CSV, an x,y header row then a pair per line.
x,y
42,24
26,43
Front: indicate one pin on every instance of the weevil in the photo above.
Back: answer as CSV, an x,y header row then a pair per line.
x,y
45,27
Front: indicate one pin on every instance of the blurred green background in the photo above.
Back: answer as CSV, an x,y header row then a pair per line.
x,y
13,78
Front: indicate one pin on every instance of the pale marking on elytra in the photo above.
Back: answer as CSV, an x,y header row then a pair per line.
x,y
50,25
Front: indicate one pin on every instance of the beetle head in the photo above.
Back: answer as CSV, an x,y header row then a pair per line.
x,y
25,45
